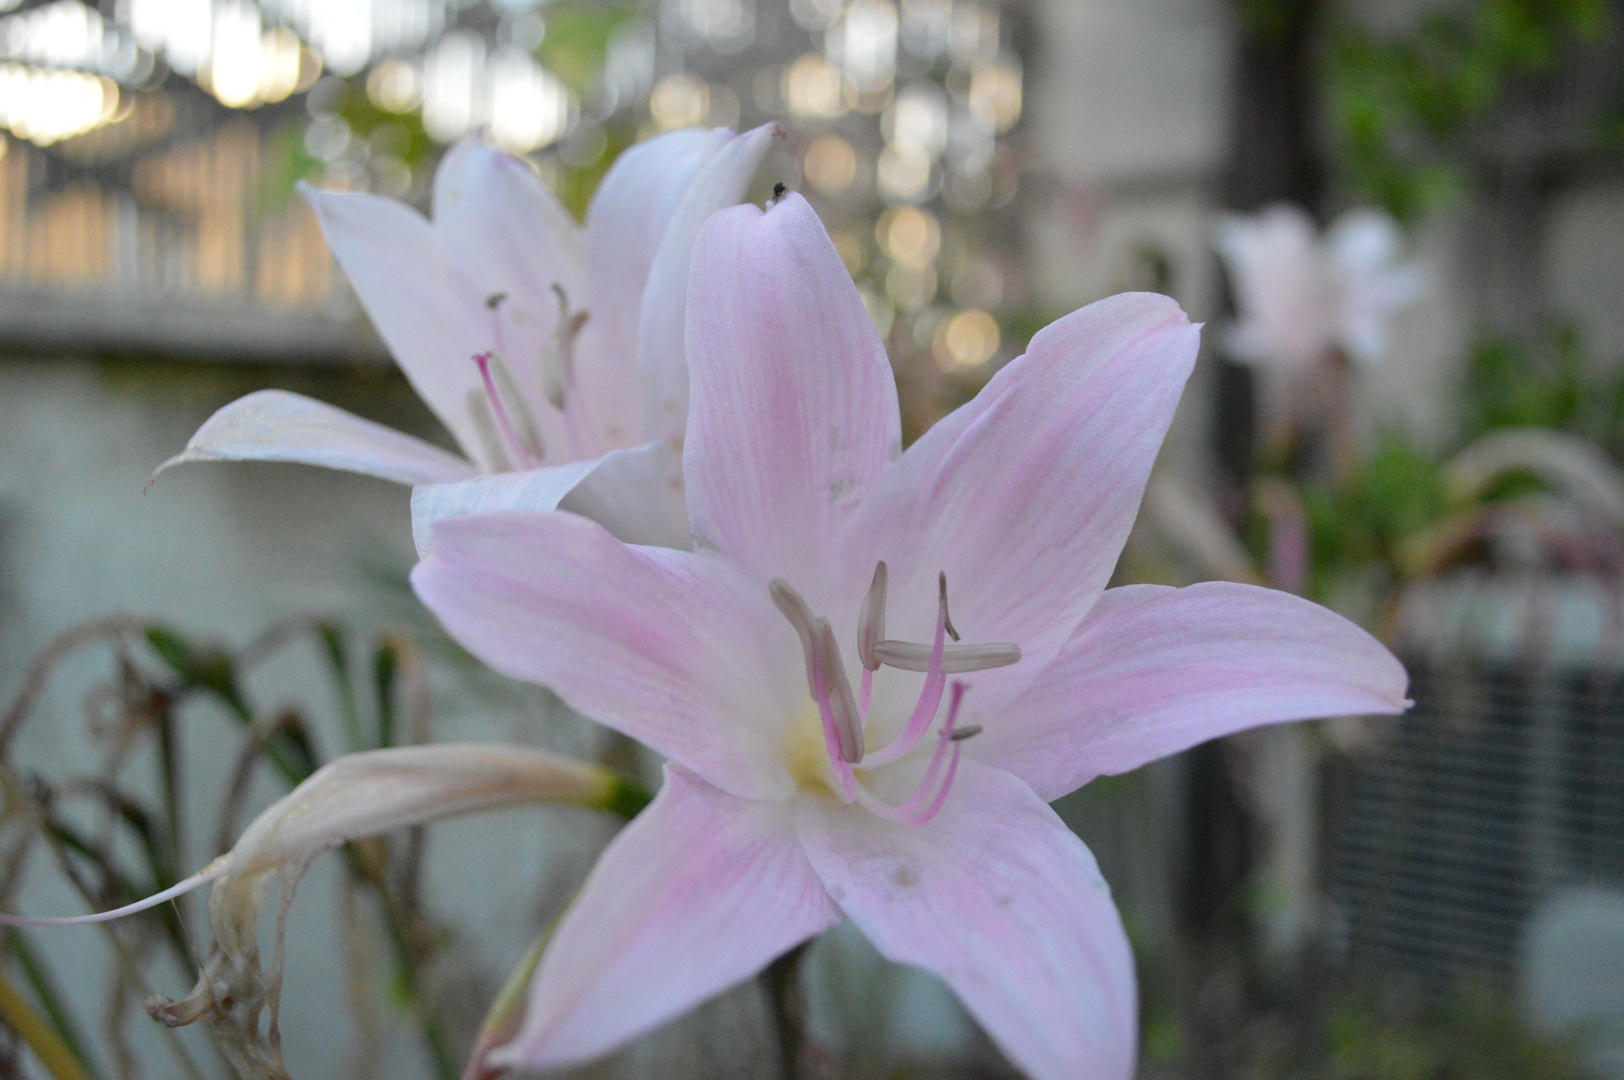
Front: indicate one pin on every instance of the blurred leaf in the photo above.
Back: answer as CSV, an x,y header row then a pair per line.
x,y
576,43
1400,105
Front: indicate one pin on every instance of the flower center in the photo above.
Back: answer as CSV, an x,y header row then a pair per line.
x,y
507,426
844,717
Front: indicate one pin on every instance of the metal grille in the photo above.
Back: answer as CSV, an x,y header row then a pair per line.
x,y
1501,785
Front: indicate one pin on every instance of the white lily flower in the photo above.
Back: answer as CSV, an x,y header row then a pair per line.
x,y
1300,297
553,353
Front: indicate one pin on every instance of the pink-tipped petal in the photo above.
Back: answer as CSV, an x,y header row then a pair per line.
x,y
794,409
275,425
1025,496
674,649
719,182
997,897
701,891
1154,670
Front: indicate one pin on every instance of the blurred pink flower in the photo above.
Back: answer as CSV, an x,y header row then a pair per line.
x,y
1299,296
552,352
906,791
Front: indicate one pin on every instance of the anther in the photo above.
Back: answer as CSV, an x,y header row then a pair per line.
x,y
494,300
792,607
941,595
871,623
825,673
848,727
558,356
779,191
968,731
956,659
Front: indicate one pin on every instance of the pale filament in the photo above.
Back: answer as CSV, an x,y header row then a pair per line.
x,y
504,416
515,446
845,721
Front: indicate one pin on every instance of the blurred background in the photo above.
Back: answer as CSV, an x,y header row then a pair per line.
x,y
1434,897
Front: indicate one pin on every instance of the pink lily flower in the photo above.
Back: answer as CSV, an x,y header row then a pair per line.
x,y
552,352
1300,297
876,668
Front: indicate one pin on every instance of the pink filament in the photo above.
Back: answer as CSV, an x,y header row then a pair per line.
x,y
927,802
503,420
930,699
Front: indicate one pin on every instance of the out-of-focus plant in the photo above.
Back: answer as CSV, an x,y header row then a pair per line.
x,y
1403,106
116,835
1471,1033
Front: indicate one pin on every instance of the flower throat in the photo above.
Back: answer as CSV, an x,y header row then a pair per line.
x,y
844,716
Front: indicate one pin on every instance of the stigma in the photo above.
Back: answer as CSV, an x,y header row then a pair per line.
x,y
844,716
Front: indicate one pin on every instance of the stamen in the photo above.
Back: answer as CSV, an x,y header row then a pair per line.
x,y
790,604
941,594
569,328
928,800
817,655
479,411
529,432
956,659
848,727
871,623
556,367
504,422
930,698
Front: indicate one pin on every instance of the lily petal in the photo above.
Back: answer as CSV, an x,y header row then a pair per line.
x,y
275,425
1154,670
699,892
674,649
433,319
626,491
634,495
624,225
720,182
501,227
1025,496
1001,900
794,412
534,490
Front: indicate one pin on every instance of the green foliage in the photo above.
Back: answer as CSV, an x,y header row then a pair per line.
x,y
576,185
577,40
1359,525
1471,1034
1552,385
1273,20
1399,106
401,135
